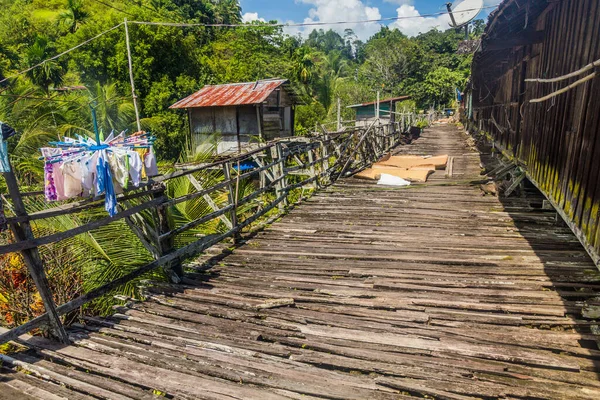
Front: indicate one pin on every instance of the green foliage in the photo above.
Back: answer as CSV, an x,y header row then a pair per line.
x,y
439,86
422,124
73,16
169,63
307,116
50,73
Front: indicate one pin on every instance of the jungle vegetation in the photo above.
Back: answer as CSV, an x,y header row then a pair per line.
x,y
170,63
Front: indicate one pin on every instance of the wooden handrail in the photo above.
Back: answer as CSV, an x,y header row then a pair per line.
x,y
350,149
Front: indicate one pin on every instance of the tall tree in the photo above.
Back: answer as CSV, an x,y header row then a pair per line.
x,y
73,16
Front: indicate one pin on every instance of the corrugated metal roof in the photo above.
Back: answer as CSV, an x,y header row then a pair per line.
x,y
400,98
231,94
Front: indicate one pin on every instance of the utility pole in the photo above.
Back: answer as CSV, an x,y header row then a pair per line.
x,y
135,105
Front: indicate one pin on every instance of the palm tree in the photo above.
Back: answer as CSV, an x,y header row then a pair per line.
x,y
114,112
303,64
50,73
227,11
334,66
74,16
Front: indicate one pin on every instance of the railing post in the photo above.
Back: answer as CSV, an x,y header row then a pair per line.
x,y
313,171
22,232
173,269
232,197
325,158
388,138
279,173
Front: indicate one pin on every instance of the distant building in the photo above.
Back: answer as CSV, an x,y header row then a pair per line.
x,y
241,113
367,112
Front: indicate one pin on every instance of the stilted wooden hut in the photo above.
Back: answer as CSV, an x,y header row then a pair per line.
x,y
241,113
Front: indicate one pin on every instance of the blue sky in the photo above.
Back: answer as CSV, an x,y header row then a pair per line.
x,y
348,10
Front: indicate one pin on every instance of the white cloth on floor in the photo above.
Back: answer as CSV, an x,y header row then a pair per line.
x,y
391,180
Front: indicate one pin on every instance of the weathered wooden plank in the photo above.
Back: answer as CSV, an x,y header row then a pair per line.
x,y
433,291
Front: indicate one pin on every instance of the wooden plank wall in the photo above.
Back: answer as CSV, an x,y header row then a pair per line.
x,y
556,141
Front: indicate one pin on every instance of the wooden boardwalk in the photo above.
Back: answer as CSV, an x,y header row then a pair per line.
x,y
361,292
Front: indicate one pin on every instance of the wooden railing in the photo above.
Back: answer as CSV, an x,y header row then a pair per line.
x,y
277,170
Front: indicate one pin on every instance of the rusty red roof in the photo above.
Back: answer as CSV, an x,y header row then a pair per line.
x,y
231,94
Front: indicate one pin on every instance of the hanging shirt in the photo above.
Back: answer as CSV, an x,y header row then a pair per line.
x,y
135,168
142,154
110,198
104,184
5,132
150,163
100,182
119,164
59,181
72,176
89,174
49,188
81,166
4,163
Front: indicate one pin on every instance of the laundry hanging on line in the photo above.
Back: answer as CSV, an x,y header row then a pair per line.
x,y
6,131
84,167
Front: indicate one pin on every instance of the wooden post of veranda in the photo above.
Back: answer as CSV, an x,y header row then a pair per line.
x,y
22,232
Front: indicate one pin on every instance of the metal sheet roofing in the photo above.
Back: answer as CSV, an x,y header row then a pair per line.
x,y
231,94
400,98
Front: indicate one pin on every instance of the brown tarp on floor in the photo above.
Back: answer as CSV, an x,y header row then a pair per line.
x,y
408,162
418,174
411,168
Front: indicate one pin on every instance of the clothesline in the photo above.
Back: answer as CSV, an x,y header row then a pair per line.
x,y
84,167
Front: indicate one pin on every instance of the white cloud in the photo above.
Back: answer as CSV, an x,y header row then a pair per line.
x,y
413,26
342,10
251,17
410,21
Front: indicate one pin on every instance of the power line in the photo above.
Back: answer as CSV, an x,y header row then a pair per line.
x,y
291,25
245,25
62,54
19,97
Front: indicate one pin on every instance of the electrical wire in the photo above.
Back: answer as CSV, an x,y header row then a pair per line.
x,y
62,54
19,97
293,25
244,25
